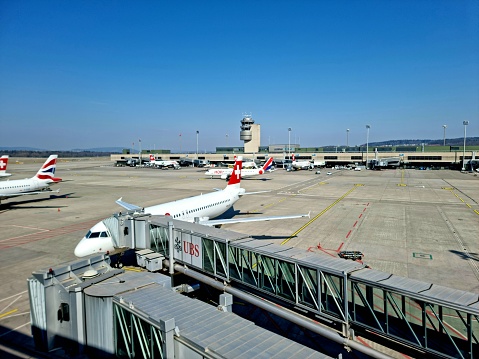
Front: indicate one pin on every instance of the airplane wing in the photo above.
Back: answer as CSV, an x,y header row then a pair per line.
x,y
217,222
254,192
127,206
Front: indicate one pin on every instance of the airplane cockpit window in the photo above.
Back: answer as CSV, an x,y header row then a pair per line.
x,y
103,234
94,235
88,234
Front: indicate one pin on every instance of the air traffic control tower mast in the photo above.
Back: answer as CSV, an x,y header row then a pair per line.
x,y
250,134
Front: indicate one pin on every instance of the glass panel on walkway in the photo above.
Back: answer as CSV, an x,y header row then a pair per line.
x,y
267,272
250,275
286,280
159,239
235,263
220,259
136,338
308,287
331,294
208,255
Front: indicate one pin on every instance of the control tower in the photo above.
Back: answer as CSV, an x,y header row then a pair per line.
x,y
250,134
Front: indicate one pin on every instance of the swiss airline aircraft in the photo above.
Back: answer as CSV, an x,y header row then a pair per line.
x,y
162,163
225,173
205,206
300,165
40,183
3,166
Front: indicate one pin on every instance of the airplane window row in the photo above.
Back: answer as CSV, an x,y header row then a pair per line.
x,y
25,185
202,208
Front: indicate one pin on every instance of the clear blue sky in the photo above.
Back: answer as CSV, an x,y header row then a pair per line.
x,y
83,74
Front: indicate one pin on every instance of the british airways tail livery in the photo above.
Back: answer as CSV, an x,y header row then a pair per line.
x,y
40,183
202,207
3,166
225,173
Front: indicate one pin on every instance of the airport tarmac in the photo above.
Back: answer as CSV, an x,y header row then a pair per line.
x,y
418,224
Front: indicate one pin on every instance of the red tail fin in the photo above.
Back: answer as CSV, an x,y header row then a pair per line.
x,y
152,158
235,177
292,157
3,163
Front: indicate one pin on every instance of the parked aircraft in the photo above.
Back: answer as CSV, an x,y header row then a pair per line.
x,y
300,165
40,183
162,163
202,207
225,173
3,166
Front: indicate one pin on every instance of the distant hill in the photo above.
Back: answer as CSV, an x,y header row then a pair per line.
x,y
101,149
470,141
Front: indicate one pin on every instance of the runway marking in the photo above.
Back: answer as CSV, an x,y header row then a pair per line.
x,y
8,313
1,300
33,237
11,303
402,184
451,189
319,215
15,329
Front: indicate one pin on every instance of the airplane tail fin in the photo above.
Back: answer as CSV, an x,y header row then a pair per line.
x,y
47,171
152,158
3,165
268,163
235,178
293,158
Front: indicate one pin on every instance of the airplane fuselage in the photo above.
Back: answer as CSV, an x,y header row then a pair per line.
x,y
204,206
10,188
226,172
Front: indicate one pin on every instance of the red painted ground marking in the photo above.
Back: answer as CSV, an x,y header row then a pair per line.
x,y
44,234
327,253
318,246
367,204
354,225
360,215
309,249
364,210
349,233
337,250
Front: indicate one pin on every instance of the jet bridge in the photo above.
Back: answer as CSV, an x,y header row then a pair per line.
x,y
345,295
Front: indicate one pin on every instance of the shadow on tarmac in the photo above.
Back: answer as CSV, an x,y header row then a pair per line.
x,y
466,256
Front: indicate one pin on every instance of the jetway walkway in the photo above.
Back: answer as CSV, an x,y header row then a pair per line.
x,y
347,296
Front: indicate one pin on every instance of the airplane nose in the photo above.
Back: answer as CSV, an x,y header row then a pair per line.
x,y
82,249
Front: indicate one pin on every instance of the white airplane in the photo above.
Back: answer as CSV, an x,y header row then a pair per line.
x,y
40,183
3,166
299,165
205,206
162,163
225,173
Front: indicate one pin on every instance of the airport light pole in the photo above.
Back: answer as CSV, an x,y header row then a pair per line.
x,y
289,142
465,123
226,140
347,137
197,133
444,142
367,143
139,144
